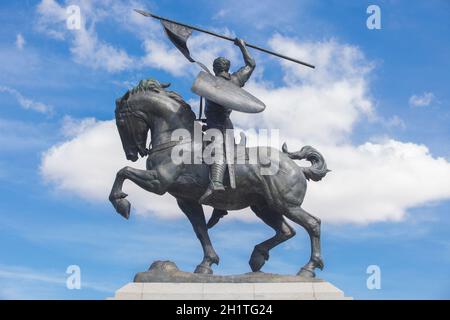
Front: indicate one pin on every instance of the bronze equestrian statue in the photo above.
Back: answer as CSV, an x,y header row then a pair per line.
x,y
151,108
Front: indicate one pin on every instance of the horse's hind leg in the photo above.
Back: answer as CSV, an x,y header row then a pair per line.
x,y
195,214
312,226
283,232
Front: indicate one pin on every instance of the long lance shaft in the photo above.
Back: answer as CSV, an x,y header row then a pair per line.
x,y
148,14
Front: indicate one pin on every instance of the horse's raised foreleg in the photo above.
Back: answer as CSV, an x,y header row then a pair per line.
x,y
194,211
146,179
312,226
283,232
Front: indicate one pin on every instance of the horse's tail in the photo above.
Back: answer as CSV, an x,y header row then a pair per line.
x,y
318,168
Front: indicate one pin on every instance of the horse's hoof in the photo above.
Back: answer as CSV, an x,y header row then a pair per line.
x,y
258,259
123,207
306,273
319,263
117,195
203,269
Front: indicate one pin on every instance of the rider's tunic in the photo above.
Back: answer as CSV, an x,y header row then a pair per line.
x,y
217,116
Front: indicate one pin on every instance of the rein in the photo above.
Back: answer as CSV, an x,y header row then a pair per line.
x,y
166,145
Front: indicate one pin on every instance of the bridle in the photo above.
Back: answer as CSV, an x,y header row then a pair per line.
x,y
128,113
167,145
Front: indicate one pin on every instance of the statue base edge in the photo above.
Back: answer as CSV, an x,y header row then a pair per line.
x,y
230,291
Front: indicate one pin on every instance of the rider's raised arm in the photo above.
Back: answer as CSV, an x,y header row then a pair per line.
x,y
244,73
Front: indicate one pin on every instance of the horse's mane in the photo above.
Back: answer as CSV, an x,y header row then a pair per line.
x,y
153,86
175,96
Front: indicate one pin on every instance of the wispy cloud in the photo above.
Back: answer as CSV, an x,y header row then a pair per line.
x,y
422,100
89,49
86,47
51,13
221,13
22,136
394,122
22,273
250,12
20,41
20,282
106,243
25,102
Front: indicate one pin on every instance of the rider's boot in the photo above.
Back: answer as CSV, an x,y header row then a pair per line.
x,y
216,184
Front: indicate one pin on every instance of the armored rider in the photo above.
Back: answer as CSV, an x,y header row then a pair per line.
x,y
218,117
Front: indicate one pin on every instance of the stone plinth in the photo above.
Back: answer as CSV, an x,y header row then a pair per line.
x,y
164,281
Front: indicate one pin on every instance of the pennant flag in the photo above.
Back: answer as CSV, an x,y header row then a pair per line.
x,y
179,36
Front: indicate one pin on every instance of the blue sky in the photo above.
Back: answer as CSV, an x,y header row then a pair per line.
x,y
57,92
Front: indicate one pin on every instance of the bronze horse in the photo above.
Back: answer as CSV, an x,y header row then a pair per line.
x,y
150,107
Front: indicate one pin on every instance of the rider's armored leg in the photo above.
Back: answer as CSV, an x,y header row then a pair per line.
x,y
217,172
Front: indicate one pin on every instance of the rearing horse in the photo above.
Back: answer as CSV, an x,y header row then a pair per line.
x,y
150,107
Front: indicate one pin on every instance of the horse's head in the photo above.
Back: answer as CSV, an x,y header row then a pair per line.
x,y
133,129
137,111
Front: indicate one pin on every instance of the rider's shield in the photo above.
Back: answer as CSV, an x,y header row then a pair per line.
x,y
226,93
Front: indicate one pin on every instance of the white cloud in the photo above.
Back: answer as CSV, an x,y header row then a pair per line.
x,y
88,162
318,106
89,50
20,41
375,181
86,47
334,61
206,48
25,102
72,127
160,56
423,100
50,14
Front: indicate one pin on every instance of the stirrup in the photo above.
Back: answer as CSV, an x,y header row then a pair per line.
x,y
216,186
205,196
210,191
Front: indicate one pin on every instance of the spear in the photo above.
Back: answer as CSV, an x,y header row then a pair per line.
x,y
148,14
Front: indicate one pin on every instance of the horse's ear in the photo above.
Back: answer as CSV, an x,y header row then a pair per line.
x,y
165,85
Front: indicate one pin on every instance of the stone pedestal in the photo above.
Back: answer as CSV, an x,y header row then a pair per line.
x,y
164,281
230,291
